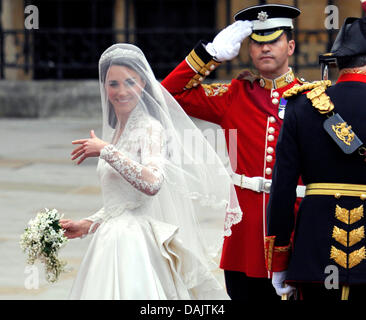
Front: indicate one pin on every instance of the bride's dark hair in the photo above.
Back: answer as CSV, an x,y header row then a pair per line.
x,y
137,66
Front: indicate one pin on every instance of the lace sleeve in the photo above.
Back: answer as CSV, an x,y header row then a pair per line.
x,y
146,176
98,216
96,219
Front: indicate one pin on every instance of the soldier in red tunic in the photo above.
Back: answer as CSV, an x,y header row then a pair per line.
x,y
253,105
363,3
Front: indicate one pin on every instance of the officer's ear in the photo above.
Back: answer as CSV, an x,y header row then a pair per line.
x,y
291,48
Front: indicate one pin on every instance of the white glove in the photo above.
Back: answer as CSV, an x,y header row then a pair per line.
x,y
278,279
226,44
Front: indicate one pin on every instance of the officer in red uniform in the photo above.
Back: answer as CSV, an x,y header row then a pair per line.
x,y
323,140
253,105
363,4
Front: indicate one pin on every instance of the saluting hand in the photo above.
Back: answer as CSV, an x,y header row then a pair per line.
x,y
226,45
89,147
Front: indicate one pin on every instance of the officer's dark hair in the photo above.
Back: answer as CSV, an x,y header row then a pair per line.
x,y
289,34
351,62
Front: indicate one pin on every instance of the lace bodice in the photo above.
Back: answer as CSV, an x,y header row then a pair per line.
x,y
132,170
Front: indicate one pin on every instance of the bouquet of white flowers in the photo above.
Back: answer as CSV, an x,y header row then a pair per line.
x,y
42,240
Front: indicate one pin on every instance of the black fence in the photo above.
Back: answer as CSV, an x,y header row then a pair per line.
x,y
73,34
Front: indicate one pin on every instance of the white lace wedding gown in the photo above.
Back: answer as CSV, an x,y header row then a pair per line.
x,y
132,255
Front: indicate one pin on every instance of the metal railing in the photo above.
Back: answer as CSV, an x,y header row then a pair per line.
x,y
65,53
58,61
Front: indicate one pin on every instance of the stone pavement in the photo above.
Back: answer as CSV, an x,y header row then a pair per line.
x,y
35,173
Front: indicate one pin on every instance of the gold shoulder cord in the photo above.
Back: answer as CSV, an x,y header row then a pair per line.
x,y
319,99
297,89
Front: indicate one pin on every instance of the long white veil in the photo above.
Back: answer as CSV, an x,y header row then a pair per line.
x,y
197,194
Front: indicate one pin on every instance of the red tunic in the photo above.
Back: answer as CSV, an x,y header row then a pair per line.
x,y
247,106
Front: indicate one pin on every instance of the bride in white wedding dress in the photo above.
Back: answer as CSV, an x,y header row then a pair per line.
x,y
167,198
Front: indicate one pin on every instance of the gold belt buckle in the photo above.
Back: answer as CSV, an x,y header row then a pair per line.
x,y
242,181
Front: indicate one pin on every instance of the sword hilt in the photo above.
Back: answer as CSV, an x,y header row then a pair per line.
x,y
326,61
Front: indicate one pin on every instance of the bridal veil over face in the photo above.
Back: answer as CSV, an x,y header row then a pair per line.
x,y
196,195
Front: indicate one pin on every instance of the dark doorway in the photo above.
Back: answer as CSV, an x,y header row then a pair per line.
x,y
166,29
67,44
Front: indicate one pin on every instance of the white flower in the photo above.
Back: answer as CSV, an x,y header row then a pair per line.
x,y
42,239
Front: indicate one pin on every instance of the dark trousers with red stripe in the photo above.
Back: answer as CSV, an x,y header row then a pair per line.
x,y
241,287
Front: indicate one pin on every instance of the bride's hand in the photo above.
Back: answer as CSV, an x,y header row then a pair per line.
x,y
75,229
89,147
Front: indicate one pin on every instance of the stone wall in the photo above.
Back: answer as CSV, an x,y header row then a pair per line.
x,y
41,99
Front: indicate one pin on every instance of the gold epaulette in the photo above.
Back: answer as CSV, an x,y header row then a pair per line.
x,y
319,99
297,89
